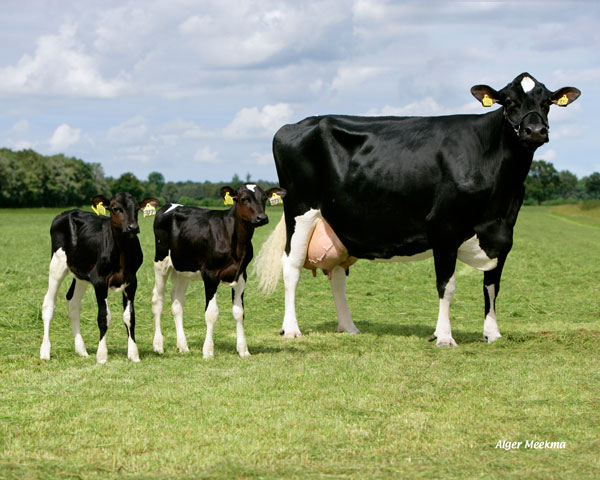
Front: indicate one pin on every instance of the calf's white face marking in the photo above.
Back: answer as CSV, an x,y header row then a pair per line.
x,y
251,187
527,84
173,207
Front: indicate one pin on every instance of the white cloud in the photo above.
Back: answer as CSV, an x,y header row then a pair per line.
x,y
252,122
426,107
63,137
546,154
262,158
132,130
206,155
59,66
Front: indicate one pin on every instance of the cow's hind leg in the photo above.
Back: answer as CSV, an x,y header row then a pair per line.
x,y
180,285
491,287
58,271
292,266
445,263
161,275
338,288
237,297
211,314
74,297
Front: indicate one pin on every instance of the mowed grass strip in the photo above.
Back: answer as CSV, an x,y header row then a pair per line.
x,y
383,404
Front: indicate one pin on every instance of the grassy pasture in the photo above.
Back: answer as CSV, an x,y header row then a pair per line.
x,y
383,404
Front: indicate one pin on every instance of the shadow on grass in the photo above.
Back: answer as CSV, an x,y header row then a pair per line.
x,y
401,330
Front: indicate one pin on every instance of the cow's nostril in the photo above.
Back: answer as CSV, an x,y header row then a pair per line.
x,y
544,131
528,131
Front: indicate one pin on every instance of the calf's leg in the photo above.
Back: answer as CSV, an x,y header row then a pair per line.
x,y
237,297
180,285
103,321
74,297
211,314
58,271
161,275
129,320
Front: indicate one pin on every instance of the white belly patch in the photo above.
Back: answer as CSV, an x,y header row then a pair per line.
x,y
471,253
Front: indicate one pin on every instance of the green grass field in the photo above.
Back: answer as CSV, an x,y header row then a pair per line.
x,y
383,404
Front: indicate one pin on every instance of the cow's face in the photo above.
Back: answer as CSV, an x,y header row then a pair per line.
x,y
250,201
123,210
526,104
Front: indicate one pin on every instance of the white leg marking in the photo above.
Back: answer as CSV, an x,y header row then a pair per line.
x,y
132,349
210,316
292,265
108,315
161,275
180,285
443,332
238,315
57,272
102,353
338,288
74,306
490,325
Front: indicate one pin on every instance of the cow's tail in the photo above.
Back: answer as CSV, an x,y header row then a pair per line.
x,y
267,265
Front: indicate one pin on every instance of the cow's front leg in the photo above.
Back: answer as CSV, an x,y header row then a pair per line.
x,y
237,296
129,320
445,263
293,261
491,287
338,288
103,321
211,314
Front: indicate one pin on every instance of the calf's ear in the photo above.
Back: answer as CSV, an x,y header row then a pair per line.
x,y
486,95
565,95
149,201
97,199
275,195
228,195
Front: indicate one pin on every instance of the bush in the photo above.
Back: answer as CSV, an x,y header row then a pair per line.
x,y
589,204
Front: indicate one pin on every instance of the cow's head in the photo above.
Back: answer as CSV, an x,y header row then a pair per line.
x,y
526,104
250,201
123,210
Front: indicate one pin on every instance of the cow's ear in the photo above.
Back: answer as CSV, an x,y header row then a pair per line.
x,y
486,95
275,195
565,95
228,195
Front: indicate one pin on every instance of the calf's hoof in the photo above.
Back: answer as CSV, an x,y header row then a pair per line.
x,y
291,333
243,351
45,351
446,342
157,345
491,337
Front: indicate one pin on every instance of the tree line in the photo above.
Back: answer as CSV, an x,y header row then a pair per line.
x,y
29,179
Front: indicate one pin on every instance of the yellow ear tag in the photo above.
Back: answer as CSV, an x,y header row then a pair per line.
x,y
149,211
487,101
228,199
275,199
563,101
99,209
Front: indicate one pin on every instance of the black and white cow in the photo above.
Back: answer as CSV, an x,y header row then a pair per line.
x,y
406,188
98,250
213,245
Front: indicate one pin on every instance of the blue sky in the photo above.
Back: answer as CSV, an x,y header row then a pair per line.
x,y
196,89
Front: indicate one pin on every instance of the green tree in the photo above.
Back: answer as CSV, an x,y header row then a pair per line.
x,y
567,184
592,185
542,181
128,182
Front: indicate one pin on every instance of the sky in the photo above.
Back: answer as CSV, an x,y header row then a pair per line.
x,y
197,89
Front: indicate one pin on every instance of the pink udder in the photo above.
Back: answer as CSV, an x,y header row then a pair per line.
x,y
326,251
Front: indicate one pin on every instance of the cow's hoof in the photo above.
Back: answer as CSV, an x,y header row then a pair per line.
x,y
45,351
352,330
183,348
446,342
292,333
432,338
243,351
80,347
492,337
157,345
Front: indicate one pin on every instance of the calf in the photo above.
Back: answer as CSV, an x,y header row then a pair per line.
x,y
102,251
213,245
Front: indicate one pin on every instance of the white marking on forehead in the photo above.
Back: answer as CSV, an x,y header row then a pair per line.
x,y
527,84
251,187
173,207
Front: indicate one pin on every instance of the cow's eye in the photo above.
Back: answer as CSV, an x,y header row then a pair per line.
x,y
509,102
117,210
245,201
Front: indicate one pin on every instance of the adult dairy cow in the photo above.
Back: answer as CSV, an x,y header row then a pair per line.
x,y
405,188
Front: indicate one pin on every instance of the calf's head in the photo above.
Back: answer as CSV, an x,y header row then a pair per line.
x,y
123,210
526,104
250,201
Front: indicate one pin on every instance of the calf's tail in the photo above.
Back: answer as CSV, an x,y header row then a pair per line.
x,y
267,265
